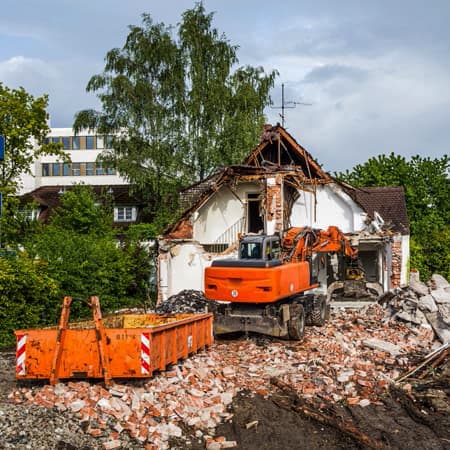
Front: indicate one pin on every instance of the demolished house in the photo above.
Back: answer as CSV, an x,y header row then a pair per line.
x,y
280,185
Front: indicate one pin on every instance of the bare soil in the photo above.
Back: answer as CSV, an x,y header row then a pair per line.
x,y
281,425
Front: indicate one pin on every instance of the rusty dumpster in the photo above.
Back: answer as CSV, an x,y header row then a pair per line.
x,y
125,346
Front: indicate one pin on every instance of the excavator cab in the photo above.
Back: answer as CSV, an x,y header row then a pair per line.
x,y
260,247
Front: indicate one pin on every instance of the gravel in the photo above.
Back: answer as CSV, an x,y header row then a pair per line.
x,y
187,301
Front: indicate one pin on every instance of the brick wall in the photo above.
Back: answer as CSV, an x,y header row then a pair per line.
x,y
274,202
396,267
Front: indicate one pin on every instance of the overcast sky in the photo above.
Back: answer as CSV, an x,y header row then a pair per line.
x,y
377,73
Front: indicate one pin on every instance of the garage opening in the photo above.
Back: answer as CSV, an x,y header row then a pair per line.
x,y
369,261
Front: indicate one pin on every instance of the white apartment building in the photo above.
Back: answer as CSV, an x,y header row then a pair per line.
x,y
84,150
50,176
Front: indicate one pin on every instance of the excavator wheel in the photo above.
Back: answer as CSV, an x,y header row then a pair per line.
x,y
318,315
296,324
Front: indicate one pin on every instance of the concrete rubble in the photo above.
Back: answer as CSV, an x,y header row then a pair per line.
x,y
352,359
420,304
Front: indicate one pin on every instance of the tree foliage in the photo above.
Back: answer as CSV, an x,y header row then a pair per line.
x,y
427,191
24,123
176,106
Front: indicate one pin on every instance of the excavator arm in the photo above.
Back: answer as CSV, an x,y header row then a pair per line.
x,y
299,243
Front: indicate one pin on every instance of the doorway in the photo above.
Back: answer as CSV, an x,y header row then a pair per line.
x,y
255,222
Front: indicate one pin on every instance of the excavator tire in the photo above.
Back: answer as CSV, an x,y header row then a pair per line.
x,y
318,315
296,324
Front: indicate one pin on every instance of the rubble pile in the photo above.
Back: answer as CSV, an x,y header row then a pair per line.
x,y
420,304
187,301
353,358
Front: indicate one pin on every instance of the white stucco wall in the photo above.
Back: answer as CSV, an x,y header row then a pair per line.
x,y
221,211
334,207
182,267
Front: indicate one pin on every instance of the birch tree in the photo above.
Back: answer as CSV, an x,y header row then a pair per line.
x,y
177,106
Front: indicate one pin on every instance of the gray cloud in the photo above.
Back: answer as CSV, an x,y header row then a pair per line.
x,y
332,71
377,73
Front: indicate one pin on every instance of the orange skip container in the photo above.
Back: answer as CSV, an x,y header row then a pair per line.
x,y
125,346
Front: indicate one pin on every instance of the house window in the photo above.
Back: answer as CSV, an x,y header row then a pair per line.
x,y
66,142
76,169
90,167
45,170
29,213
90,142
76,142
124,213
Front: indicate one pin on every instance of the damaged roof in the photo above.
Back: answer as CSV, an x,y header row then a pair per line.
x,y
387,201
278,147
279,153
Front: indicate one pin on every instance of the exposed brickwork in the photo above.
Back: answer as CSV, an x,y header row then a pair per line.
x,y
183,230
275,203
396,267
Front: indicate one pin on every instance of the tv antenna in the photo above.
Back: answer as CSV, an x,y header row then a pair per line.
x,y
287,105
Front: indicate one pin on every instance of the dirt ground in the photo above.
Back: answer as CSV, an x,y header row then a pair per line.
x,y
281,426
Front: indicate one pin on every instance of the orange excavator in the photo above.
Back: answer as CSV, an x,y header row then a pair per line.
x,y
279,284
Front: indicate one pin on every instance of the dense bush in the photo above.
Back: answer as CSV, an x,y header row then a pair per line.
x,y
29,297
77,254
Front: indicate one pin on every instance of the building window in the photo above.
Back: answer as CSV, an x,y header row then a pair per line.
x,y
76,169
110,171
124,213
100,142
76,142
56,140
66,169
45,170
90,167
66,142
109,142
56,169
99,169
90,142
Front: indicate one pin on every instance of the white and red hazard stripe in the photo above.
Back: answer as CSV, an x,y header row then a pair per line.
x,y
145,353
20,354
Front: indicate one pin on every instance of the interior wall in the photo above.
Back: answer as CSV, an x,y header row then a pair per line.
x,y
221,211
